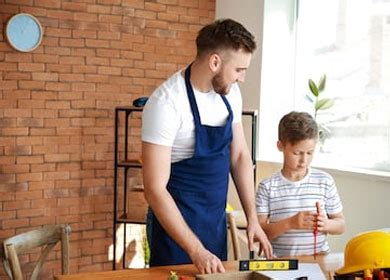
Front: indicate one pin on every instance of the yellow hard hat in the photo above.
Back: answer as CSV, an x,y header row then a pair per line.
x,y
369,250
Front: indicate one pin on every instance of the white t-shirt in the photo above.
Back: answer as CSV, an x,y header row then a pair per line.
x,y
279,198
167,117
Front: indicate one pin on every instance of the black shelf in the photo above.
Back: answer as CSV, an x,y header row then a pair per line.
x,y
123,165
138,217
130,163
134,219
253,114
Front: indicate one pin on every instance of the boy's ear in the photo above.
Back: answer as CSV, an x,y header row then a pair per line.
x,y
280,146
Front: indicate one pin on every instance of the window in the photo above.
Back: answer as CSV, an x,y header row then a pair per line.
x,y
349,41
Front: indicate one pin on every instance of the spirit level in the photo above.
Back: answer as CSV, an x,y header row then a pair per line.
x,y
254,265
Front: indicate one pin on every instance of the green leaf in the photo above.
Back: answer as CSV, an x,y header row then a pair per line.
x,y
309,98
323,104
313,87
321,84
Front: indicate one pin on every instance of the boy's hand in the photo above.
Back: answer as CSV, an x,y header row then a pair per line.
x,y
322,223
303,220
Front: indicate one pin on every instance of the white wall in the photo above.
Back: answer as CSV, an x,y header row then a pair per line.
x,y
366,198
249,13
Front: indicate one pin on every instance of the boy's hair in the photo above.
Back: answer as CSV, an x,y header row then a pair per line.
x,y
224,34
297,126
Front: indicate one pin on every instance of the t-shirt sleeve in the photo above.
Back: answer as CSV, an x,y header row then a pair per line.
x,y
160,121
333,202
262,200
235,101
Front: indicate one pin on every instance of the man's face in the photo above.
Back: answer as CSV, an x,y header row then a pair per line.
x,y
298,157
232,70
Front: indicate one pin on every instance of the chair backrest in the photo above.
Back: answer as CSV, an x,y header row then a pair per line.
x,y
47,236
234,235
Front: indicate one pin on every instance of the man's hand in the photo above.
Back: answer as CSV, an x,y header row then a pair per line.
x,y
256,234
206,262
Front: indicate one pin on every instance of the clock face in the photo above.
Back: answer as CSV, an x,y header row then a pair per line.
x,y
24,32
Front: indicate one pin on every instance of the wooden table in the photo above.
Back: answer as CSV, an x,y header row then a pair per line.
x,y
329,263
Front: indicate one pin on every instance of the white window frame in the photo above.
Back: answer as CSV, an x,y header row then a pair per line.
x,y
278,60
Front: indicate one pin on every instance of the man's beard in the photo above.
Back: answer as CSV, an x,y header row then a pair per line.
x,y
219,85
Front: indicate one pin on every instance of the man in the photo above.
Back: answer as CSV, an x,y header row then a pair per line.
x,y
192,138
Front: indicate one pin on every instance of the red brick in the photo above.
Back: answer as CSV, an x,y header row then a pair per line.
x,y
56,157
15,131
30,103
45,76
57,110
44,113
7,178
80,7
85,17
44,202
28,177
29,159
30,212
16,205
42,131
18,57
40,221
56,175
4,85
17,150
31,67
99,9
15,223
17,76
41,185
155,7
58,14
57,104
109,35
8,215
30,122
58,32
43,168
6,233
48,3
14,168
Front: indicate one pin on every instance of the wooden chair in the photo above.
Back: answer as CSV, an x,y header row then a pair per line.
x,y
47,236
234,235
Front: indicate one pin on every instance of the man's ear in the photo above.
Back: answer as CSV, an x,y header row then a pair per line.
x,y
280,145
215,62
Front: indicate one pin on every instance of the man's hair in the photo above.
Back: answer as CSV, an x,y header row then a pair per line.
x,y
224,34
297,126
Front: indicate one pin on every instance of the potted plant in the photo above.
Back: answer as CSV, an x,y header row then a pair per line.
x,y
319,105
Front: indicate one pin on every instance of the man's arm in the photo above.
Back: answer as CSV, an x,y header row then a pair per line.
x,y
242,174
156,163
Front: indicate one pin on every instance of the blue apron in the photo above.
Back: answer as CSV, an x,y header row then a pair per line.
x,y
199,187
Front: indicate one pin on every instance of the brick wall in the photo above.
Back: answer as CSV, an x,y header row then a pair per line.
x,y
57,109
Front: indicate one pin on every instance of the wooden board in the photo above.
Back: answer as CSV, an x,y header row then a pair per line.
x,y
242,275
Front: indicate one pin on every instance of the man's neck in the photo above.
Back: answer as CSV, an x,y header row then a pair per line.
x,y
201,76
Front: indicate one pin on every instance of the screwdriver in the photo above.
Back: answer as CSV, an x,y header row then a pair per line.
x,y
315,230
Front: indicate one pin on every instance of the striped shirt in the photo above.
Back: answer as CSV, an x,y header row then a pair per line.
x,y
279,198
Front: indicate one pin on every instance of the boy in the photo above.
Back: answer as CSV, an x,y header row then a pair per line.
x,y
288,201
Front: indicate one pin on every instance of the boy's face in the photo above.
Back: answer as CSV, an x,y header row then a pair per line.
x,y
298,157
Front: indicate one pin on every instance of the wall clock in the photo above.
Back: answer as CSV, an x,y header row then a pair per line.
x,y
24,32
